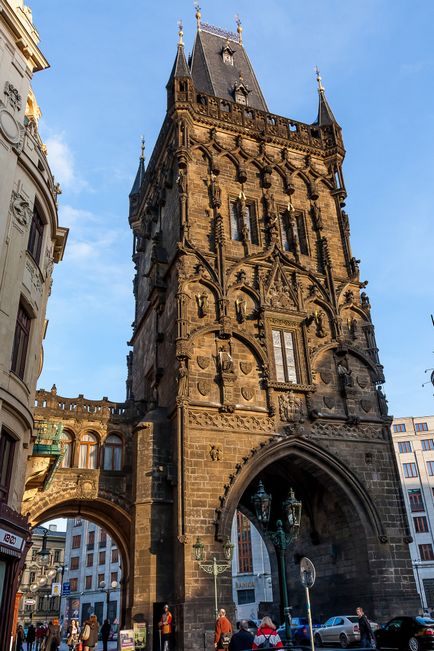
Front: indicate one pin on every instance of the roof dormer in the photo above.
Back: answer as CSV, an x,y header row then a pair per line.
x,y
241,91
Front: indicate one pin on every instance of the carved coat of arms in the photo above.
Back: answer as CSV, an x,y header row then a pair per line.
x,y
203,361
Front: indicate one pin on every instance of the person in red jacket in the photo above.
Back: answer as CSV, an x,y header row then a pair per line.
x,y
266,636
165,625
223,631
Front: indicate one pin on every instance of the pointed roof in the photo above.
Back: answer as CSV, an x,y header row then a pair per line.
x,y
213,76
140,172
180,66
325,114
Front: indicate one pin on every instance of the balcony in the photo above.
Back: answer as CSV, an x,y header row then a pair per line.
x,y
46,457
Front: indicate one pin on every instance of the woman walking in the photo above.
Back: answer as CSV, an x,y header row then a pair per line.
x,y
266,636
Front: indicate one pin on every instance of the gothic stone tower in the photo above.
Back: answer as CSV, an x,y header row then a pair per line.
x,y
254,354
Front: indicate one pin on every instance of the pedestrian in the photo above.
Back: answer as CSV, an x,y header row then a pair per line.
x,y
243,639
89,633
267,636
166,628
52,640
72,634
367,637
40,635
223,630
105,634
20,638
30,637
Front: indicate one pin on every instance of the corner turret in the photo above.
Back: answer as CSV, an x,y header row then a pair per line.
x,y
138,181
180,84
325,114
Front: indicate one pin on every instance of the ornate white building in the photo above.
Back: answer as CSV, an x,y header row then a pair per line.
x,y
31,241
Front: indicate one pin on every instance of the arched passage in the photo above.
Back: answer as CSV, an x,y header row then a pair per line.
x,y
107,515
340,525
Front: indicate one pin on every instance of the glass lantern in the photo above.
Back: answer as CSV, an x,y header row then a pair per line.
x,y
262,502
198,549
292,509
228,549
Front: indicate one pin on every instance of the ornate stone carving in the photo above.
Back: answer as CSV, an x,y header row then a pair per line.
x,y
247,393
241,308
328,431
362,381
326,375
13,98
234,422
246,367
11,129
345,374
202,304
366,404
225,361
216,452
329,402
203,362
290,408
20,208
182,379
35,276
204,387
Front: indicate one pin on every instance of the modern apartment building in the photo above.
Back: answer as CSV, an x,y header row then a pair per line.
x,y
92,580
251,574
45,562
413,440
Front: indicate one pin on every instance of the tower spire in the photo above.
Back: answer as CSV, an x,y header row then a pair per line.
x,y
180,33
325,114
141,171
239,29
198,15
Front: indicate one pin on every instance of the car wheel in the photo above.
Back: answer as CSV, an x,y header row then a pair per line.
x,y
343,641
413,644
317,640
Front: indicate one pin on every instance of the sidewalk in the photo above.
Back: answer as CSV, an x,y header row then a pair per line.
x,y
111,645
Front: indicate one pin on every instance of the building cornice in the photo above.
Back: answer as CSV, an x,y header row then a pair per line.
x,y
25,35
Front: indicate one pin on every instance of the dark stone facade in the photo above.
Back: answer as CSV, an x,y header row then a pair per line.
x,y
254,357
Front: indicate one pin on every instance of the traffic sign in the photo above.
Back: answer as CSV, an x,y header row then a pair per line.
x,y
66,590
307,572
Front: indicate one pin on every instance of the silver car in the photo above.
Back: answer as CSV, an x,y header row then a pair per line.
x,y
341,629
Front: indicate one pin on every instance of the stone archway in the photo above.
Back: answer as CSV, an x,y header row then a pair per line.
x,y
105,511
341,529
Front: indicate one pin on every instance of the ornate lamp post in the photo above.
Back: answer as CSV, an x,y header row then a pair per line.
x,y
102,587
280,538
214,568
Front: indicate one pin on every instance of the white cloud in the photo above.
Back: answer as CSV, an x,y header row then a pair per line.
x,y
62,163
75,217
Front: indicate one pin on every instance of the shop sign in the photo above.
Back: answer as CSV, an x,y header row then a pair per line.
x,y
127,640
30,602
10,540
139,636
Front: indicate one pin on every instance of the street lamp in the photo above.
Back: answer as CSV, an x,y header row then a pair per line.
x,y
43,554
102,587
280,538
214,568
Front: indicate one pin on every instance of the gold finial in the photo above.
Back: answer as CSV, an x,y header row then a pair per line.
x,y
180,32
239,29
142,148
198,15
319,79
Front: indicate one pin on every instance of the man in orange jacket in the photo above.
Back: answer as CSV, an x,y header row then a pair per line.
x,y
223,631
165,625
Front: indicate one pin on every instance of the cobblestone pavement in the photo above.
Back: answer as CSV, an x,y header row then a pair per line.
x,y
111,645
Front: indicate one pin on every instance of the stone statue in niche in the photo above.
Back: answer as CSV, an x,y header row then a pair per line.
x,y
290,408
345,222
182,379
202,304
352,327
279,295
345,374
216,194
319,323
241,308
181,182
225,361
349,297
364,298
382,402
317,217
354,266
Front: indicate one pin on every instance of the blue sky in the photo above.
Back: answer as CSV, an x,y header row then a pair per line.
x,y
110,62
